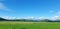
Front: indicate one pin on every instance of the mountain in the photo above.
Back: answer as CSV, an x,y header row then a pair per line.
x,y
2,19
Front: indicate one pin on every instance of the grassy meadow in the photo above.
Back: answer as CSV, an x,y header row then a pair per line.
x,y
29,25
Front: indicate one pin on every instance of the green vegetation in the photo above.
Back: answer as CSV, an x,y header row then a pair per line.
x,y
29,25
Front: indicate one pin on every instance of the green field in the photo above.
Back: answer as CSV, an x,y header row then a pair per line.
x,y
29,25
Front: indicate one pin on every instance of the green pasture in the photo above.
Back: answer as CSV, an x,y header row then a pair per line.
x,y
29,25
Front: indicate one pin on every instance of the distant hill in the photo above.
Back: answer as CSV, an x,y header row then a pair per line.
x,y
2,19
30,20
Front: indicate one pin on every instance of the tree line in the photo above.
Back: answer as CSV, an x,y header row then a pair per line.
x,y
29,20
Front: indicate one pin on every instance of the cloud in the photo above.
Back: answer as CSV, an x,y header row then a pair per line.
x,y
58,12
29,17
42,18
8,17
50,18
55,18
3,7
5,17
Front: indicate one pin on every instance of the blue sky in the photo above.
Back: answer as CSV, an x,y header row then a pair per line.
x,y
29,8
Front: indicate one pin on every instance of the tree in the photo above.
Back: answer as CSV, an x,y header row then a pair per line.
x,y
46,20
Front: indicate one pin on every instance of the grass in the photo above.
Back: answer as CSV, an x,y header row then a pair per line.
x,y
29,25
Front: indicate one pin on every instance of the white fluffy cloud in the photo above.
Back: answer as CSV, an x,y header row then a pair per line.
x,y
40,18
8,17
5,17
29,17
50,18
55,18
43,18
